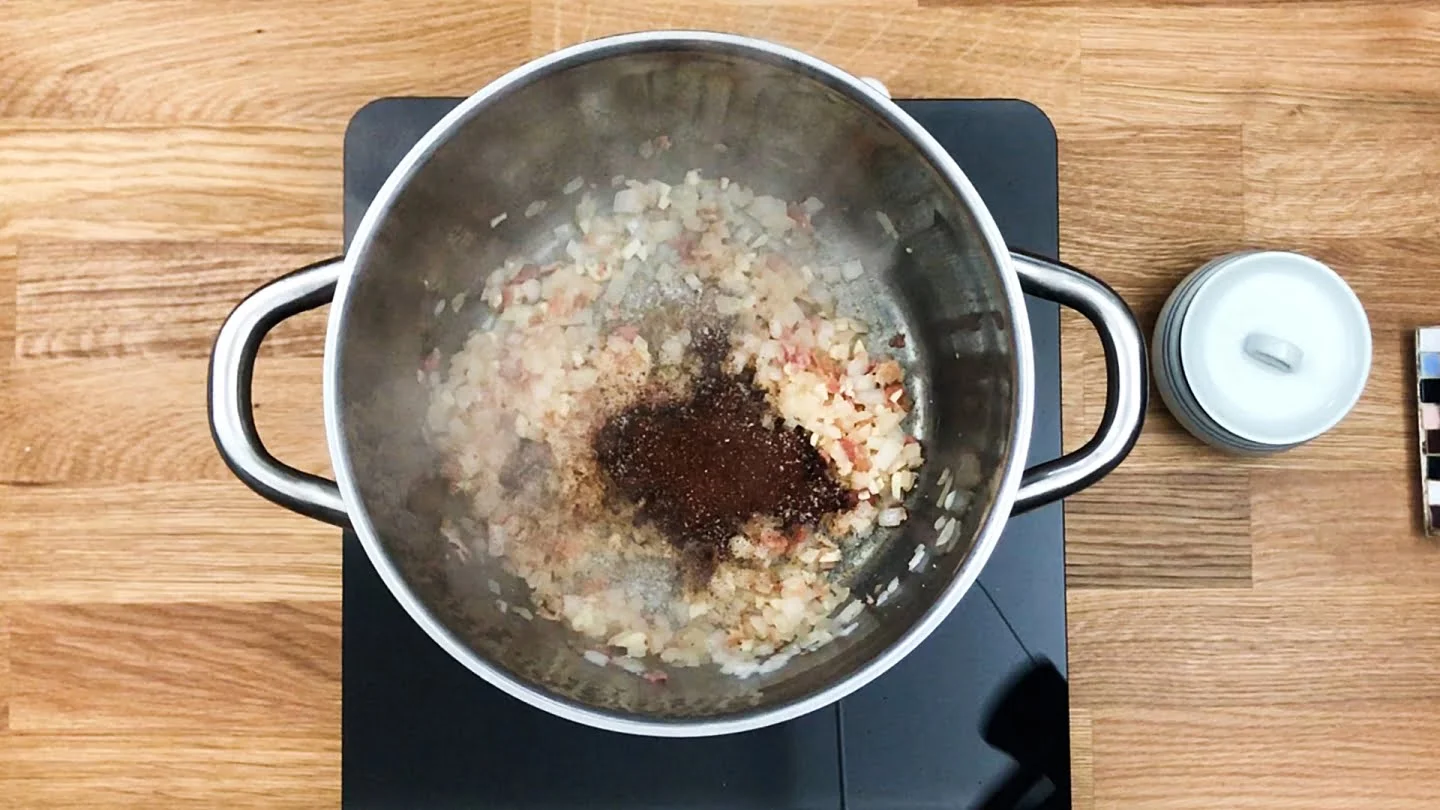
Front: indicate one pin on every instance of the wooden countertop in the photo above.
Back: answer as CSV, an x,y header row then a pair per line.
x,y
1243,633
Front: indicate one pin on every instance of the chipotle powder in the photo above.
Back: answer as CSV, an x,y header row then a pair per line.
x,y
699,468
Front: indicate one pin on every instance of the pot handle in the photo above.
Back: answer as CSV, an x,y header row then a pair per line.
x,y
1127,384
232,369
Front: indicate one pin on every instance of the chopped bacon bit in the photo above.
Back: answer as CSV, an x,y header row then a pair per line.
x,y
897,342
825,364
685,245
656,677
800,358
903,401
888,373
512,368
773,540
797,212
856,454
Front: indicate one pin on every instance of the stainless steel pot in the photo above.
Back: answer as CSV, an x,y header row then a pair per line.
x,y
795,126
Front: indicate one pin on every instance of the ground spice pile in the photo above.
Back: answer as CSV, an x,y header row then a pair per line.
x,y
701,467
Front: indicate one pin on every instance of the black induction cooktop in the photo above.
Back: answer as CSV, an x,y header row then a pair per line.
x,y
976,717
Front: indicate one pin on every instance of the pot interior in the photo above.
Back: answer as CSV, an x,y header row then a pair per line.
x,y
787,130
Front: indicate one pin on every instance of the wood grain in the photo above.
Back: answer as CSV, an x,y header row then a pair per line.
x,y
1349,190
1365,541
922,54
147,181
110,299
1224,63
1327,757
174,667
263,62
1144,251
159,542
1146,529
1244,633
5,686
1205,648
144,770
132,420
1082,760
8,264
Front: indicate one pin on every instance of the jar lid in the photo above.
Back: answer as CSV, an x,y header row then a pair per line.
x,y
1275,347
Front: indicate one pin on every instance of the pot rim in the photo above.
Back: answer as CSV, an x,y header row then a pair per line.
x,y
991,526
